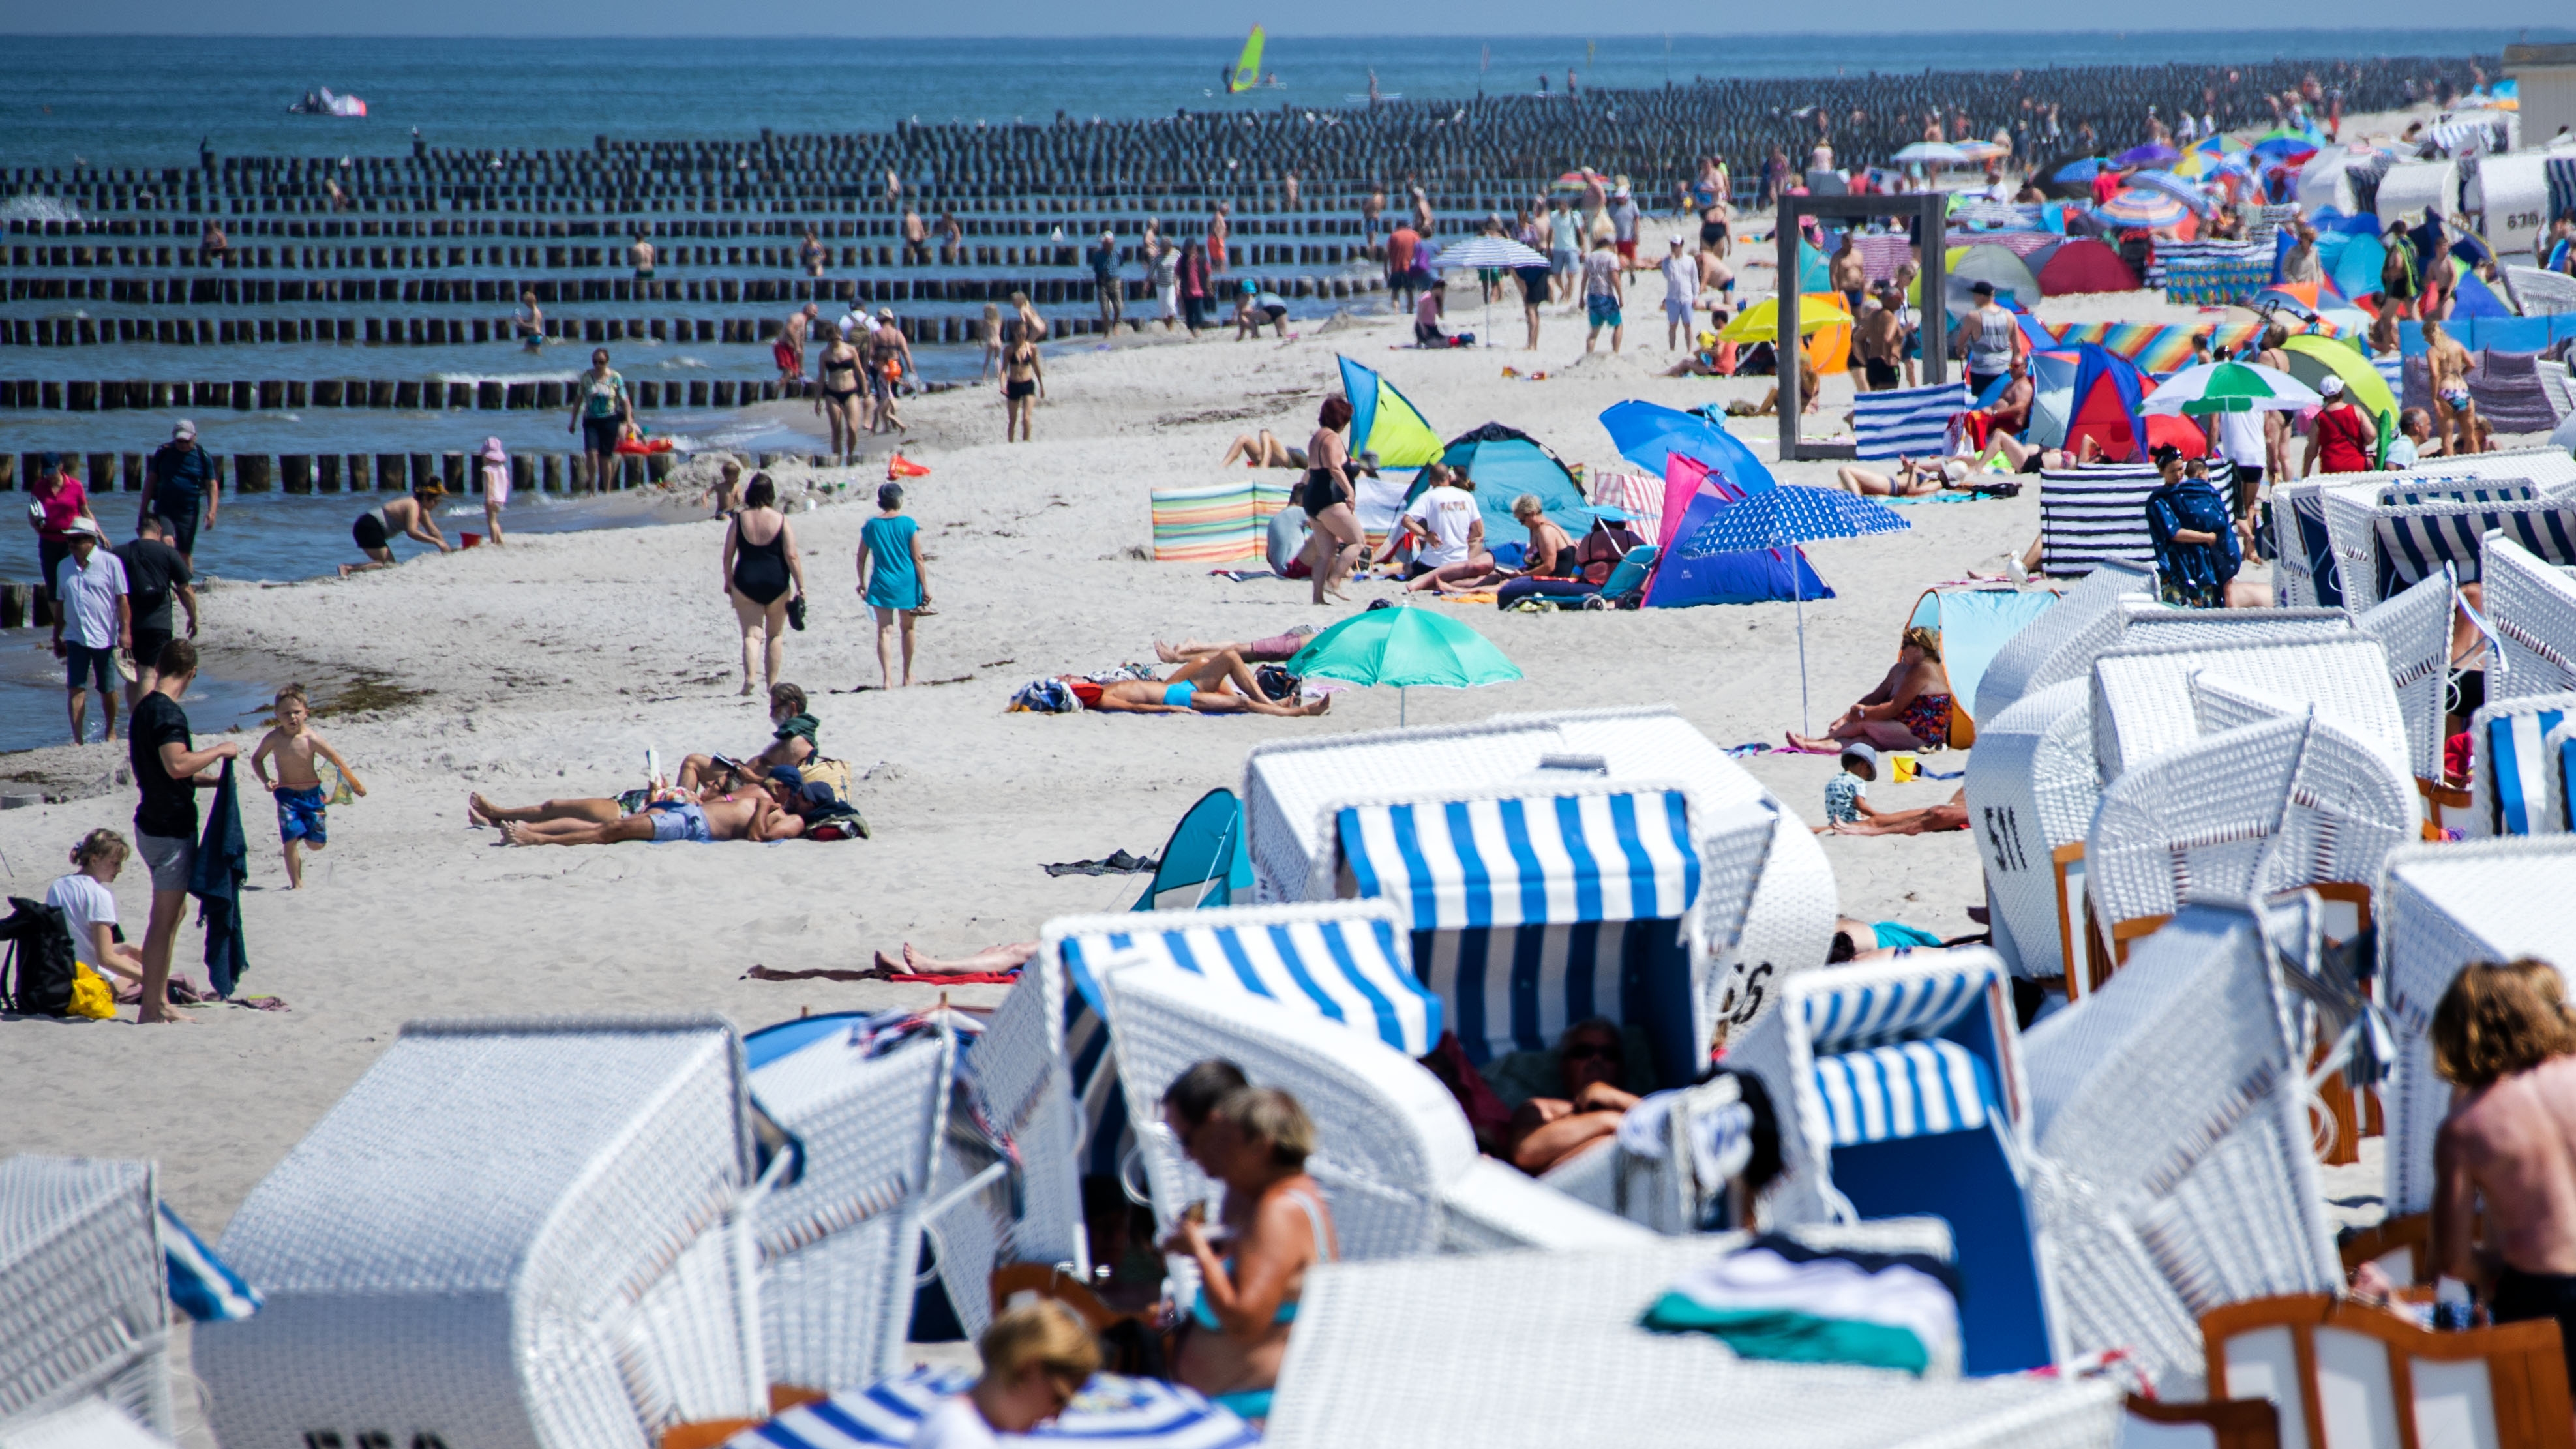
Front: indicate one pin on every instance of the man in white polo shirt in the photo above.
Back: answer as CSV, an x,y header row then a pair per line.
x,y
94,622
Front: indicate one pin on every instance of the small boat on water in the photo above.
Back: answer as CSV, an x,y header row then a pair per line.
x,y
323,103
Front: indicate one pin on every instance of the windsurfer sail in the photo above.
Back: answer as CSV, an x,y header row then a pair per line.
x,y
1247,66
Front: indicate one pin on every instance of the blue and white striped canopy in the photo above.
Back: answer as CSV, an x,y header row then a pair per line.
x,y
2415,543
1788,514
1911,1089
1543,860
1866,1016
1351,971
2527,801
1134,1413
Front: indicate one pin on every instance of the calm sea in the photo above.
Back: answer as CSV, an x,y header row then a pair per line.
x,y
129,101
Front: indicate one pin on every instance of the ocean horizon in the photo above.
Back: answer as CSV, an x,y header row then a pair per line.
x,y
537,93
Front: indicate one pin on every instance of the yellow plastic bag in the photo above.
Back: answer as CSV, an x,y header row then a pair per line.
x,y
90,996
1901,767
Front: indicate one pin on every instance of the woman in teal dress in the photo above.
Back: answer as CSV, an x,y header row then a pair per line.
x,y
891,577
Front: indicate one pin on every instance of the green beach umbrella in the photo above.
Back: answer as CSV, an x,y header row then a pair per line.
x,y
1404,647
2229,387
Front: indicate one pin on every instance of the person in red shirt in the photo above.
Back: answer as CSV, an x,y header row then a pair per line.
x,y
59,498
2106,184
2343,438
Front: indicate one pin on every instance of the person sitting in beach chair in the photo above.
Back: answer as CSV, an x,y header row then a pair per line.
x,y
791,743
1235,1331
1545,1131
2008,413
1909,710
1214,683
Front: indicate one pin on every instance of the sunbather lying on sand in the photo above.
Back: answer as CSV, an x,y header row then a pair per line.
x,y
1950,814
992,960
758,813
1277,649
1264,450
1214,683
1913,478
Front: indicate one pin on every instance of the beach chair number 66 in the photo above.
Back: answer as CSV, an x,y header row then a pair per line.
x,y
1742,1006
2003,837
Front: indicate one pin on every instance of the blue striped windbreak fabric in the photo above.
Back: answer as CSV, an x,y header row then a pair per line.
x,y
1133,1413
1542,860
1868,1016
1912,1089
2518,761
1911,422
1348,971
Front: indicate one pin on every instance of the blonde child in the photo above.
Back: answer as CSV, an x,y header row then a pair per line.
x,y
496,487
992,342
298,786
1036,1358
89,909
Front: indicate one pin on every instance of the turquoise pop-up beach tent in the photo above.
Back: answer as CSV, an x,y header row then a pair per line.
x,y
1385,421
1972,626
1505,463
1206,862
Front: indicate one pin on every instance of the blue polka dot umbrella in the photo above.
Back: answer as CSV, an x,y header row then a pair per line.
x,y
1784,517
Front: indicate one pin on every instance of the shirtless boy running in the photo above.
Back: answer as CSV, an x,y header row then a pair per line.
x,y
302,807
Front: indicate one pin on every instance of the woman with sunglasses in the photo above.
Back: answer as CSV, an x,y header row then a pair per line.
x,y
1036,1358
1590,1059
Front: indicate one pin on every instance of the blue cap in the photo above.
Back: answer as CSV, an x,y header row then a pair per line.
x,y
1609,514
788,775
52,460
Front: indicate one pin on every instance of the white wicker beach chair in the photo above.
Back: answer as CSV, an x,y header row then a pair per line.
x,y
2031,792
83,1424
2383,547
1395,1154
1027,1210
2441,907
522,1234
2414,630
1290,787
2541,293
2518,767
840,1234
2280,802
83,1306
2305,569
2143,705
1900,1091
2173,1169
2531,605
2086,620
1543,1350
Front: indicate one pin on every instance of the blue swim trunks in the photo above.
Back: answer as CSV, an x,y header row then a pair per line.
x,y
300,816
1602,311
678,820
1180,692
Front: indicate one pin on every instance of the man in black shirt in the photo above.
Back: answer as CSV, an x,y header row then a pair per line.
x,y
169,769
155,573
185,487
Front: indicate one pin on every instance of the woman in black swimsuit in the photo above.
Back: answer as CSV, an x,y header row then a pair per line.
x,y
842,399
760,566
412,517
1339,541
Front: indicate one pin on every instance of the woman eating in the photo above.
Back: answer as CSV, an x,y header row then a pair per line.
x,y
1235,1332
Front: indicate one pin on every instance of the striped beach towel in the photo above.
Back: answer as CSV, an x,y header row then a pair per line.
x,y
1780,1299
1635,494
1911,422
1226,523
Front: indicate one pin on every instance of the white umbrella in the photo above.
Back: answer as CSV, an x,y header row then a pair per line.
x,y
1937,153
1482,252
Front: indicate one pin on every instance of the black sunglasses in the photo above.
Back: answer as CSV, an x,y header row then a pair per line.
x,y
1590,1053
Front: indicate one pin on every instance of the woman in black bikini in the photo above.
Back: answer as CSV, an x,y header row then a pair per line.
x,y
1327,496
412,517
841,397
760,565
1023,382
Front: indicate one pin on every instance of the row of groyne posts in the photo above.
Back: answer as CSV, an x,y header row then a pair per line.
x,y
306,473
